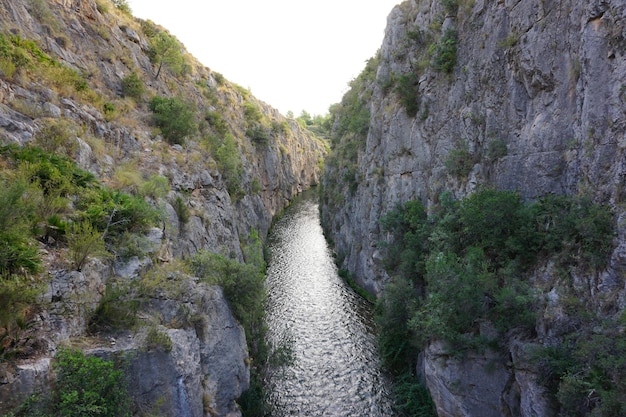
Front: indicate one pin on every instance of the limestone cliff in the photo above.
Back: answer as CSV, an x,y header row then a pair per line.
x,y
76,78
532,100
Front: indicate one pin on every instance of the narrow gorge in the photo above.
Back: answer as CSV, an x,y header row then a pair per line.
x,y
472,185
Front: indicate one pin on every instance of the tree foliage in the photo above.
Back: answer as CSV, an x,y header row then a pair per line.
x,y
467,265
174,117
166,51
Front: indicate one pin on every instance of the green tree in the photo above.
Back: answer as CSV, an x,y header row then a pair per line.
x,y
88,386
174,117
132,86
165,50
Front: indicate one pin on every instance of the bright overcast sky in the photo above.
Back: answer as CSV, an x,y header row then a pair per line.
x,y
294,55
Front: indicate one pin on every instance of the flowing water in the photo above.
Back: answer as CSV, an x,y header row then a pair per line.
x,y
335,371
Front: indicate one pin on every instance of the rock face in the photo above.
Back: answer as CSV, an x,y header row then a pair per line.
x,y
541,80
211,201
205,370
536,103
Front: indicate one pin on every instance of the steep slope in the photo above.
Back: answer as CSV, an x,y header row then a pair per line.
x,y
524,96
200,163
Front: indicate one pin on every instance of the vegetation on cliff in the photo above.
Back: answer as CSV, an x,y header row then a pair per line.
x,y
465,275
118,146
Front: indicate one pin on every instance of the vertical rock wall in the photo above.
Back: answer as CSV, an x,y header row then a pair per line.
x,y
536,102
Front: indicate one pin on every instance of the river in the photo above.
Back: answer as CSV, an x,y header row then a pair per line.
x,y
335,371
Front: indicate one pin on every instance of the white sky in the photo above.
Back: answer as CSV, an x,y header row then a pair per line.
x,y
294,55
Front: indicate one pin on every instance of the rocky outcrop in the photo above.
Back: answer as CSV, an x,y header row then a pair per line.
x,y
541,82
535,102
201,367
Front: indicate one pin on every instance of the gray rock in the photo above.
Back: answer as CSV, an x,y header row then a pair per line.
x,y
543,81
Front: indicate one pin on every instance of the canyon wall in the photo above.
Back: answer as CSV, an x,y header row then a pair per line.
x,y
533,101
64,67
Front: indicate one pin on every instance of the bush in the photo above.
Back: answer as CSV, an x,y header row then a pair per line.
x,y
217,122
123,6
575,229
496,149
84,386
158,340
174,117
113,212
259,134
182,211
459,162
406,88
17,296
242,284
393,311
84,241
585,374
252,113
18,249
445,51
88,386
229,164
117,310
467,263
412,397
132,86
450,6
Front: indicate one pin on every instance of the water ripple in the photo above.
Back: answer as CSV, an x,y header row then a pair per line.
x,y
336,368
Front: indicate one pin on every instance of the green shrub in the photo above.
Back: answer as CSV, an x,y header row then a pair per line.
x,y
158,340
217,122
575,229
51,169
88,386
450,6
242,284
585,374
395,341
252,113
117,310
84,241
467,263
18,249
132,86
113,212
496,149
445,51
17,296
174,117
84,386
229,164
459,162
412,397
259,134
406,89
182,211
123,6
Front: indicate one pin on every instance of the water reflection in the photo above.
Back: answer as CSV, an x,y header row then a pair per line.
x,y
336,368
